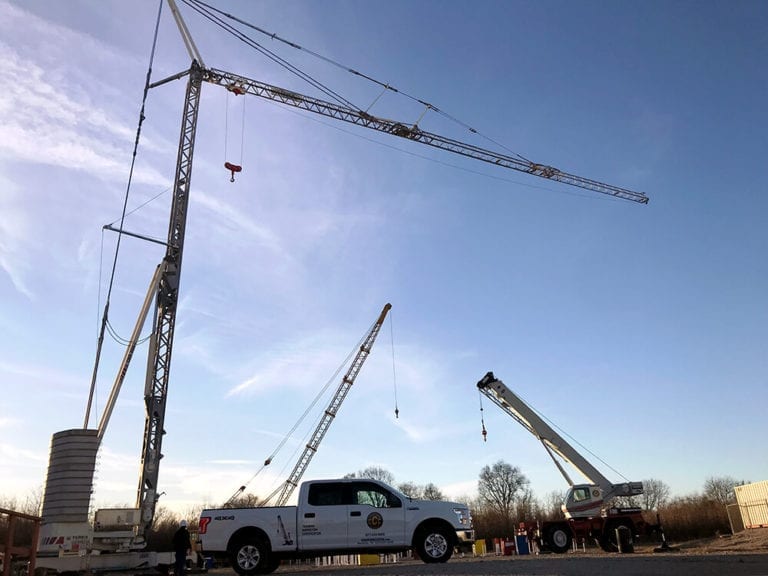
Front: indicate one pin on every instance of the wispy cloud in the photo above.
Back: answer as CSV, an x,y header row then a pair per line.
x,y
6,422
306,359
44,125
51,119
14,227
10,453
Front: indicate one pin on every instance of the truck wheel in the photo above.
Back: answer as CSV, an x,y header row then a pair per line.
x,y
250,556
434,544
559,539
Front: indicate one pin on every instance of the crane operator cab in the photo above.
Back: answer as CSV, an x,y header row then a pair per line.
x,y
583,500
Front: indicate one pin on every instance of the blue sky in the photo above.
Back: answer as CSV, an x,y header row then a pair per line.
x,y
639,330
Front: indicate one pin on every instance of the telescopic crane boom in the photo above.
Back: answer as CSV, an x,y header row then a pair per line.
x,y
582,499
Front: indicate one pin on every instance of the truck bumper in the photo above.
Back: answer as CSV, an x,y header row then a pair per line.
x,y
465,536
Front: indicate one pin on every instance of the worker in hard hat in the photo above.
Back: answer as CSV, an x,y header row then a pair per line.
x,y
182,545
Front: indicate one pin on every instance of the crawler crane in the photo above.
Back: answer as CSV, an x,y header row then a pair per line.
x,y
120,534
284,491
587,507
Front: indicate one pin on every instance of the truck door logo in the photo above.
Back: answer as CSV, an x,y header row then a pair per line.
x,y
374,520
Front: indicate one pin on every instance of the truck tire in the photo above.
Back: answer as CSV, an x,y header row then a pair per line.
x,y
251,555
558,539
434,544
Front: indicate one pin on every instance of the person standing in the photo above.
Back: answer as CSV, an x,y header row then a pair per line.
x,y
182,545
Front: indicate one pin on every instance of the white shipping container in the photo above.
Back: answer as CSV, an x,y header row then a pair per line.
x,y
753,504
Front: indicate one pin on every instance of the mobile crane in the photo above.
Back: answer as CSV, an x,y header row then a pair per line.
x,y
587,508
66,527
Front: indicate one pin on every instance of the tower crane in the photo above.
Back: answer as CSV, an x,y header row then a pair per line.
x,y
165,284
168,291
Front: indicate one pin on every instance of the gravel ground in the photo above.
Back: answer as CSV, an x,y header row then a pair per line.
x,y
569,565
742,554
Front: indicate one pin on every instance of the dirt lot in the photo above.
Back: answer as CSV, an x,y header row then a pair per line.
x,y
748,541
744,554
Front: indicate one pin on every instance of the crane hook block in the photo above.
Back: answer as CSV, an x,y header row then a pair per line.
x,y
232,168
235,89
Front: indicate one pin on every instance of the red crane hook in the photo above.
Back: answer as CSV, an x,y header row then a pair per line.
x,y
232,168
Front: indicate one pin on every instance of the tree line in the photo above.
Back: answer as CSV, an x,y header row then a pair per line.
x,y
504,499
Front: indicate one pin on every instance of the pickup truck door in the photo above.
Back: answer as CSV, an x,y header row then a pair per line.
x,y
376,517
322,521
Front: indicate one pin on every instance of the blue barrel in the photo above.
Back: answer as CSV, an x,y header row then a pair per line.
x,y
522,544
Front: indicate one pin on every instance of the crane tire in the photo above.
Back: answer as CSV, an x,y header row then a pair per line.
x,y
558,539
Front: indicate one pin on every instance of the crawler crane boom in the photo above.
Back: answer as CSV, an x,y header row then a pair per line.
x,y
310,449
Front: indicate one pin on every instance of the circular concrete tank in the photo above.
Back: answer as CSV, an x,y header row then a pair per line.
x,y
69,482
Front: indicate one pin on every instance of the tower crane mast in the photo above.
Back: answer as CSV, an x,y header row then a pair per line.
x,y
161,339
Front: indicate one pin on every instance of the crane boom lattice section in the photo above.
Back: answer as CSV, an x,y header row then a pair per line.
x,y
310,449
360,118
161,341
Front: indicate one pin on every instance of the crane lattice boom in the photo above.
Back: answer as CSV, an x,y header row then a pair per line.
x,y
241,84
310,449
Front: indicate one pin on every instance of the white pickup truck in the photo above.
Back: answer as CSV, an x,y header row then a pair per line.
x,y
348,516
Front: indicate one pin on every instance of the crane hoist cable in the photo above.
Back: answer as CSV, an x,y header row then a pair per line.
x,y
232,167
394,372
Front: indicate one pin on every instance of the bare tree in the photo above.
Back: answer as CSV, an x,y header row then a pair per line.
x,y
432,492
721,489
411,489
552,505
500,486
655,494
421,492
247,500
526,506
374,472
